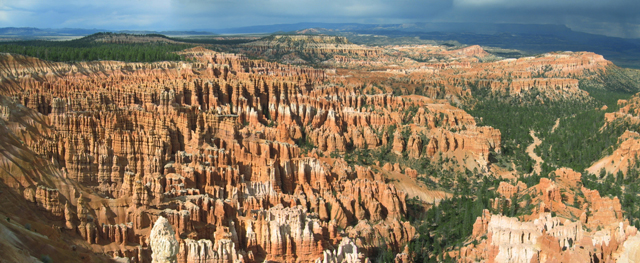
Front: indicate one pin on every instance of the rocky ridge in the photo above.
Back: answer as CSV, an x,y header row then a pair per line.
x,y
454,73
568,223
625,155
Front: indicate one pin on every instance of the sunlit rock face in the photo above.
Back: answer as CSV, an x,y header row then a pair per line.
x,y
599,233
209,150
162,242
246,159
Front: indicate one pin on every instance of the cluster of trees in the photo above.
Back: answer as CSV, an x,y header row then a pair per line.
x,y
515,119
580,121
626,188
85,50
581,140
447,226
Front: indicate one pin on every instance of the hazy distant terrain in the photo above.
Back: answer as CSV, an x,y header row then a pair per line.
x,y
528,38
533,39
48,33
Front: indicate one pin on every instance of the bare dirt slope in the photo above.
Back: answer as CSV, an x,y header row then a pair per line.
x,y
530,150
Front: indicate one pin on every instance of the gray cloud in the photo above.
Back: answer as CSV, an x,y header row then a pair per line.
x,y
612,17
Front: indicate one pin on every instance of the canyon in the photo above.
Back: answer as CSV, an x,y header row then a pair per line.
x,y
222,158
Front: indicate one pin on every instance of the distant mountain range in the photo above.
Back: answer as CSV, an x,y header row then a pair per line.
x,y
41,32
477,28
531,38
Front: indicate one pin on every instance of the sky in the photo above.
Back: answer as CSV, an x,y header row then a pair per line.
x,y
620,18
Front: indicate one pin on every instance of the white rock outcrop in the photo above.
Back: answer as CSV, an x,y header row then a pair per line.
x,y
347,252
163,243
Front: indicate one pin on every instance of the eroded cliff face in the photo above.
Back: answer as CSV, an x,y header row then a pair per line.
x,y
629,111
457,74
291,48
623,158
213,146
246,159
457,77
568,223
625,153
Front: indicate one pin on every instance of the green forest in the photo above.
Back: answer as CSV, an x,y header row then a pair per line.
x,y
445,227
579,121
626,188
515,121
86,49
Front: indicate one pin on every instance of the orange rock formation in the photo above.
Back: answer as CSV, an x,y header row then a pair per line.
x,y
585,227
211,147
231,151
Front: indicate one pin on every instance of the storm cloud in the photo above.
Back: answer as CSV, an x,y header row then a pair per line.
x,y
612,17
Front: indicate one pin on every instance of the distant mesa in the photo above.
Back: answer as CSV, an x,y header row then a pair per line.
x,y
124,38
306,39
